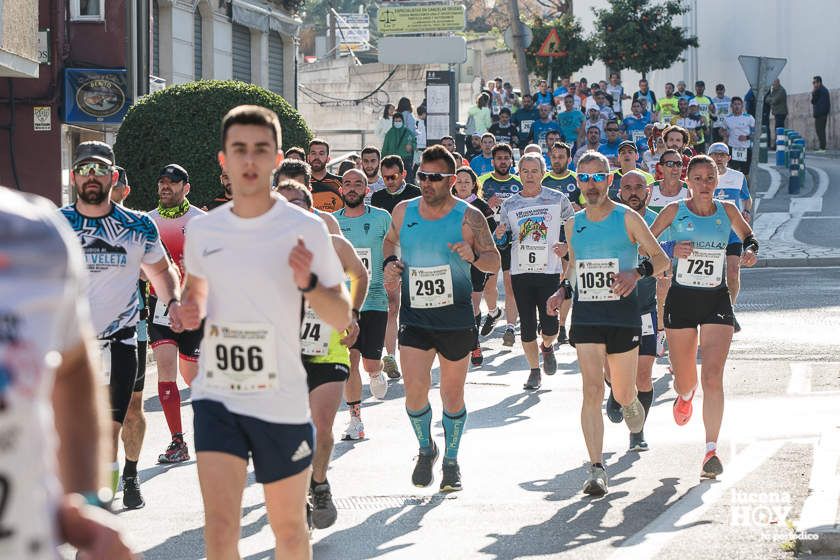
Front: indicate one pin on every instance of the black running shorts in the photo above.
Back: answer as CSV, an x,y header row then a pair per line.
x,y
452,345
531,291
188,342
734,249
688,308
479,279
617,339
319,374
371,339
278,450
123,371
647,346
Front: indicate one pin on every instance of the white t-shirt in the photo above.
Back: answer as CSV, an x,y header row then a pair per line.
x,y
43,309
115,245
739,125
252,291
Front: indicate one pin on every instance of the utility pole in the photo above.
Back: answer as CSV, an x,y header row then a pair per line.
x,y
518,49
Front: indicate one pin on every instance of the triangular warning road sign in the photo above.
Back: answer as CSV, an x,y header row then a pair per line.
x,y
551,45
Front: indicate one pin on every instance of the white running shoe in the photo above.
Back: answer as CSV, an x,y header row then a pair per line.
x,y
660,343
355,430
379,386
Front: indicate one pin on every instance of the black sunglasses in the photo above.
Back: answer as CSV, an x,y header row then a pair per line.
x,y
433,177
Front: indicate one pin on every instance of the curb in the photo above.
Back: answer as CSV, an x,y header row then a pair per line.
x,y
817,529
795,262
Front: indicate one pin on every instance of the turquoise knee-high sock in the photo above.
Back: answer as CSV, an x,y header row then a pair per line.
x,y
453,428
421,422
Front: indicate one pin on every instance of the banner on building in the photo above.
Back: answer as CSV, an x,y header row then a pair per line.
x,y
95,96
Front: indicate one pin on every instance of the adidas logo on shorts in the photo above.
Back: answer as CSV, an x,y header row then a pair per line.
x,y
303,451
635,339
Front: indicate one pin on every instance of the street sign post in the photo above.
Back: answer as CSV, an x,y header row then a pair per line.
x,y
551,46
421,19
422,50
760,72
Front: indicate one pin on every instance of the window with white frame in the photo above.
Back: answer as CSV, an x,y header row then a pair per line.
x,y
87,10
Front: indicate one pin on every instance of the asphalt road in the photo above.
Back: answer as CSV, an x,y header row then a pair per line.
x,y
523,459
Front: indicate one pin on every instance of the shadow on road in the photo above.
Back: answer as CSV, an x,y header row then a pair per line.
x,y
366,539
152,404
507,411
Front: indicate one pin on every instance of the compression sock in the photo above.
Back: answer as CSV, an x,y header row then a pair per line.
x,y
130,469
170,400
421,422
453,429
355,409
646,398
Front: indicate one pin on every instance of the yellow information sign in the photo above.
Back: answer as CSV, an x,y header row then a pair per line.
x,y
421,19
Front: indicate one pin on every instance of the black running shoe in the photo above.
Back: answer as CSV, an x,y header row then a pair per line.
x,y
324,512
132,499
451,481
534,380
490,322
735,324
422,475
637,442
614,410
562,338
549,362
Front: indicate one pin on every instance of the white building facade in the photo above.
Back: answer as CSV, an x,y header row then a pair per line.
x,y
247,40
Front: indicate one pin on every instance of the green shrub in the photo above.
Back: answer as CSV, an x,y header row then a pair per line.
x,y
182,124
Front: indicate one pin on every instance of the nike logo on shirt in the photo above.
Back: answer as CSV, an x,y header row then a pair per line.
x,y
208,252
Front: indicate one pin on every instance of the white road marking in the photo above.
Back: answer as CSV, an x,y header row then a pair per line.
x,y
819,513
648,542
800,378
775,181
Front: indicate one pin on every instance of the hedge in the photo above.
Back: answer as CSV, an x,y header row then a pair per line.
x,y
181,124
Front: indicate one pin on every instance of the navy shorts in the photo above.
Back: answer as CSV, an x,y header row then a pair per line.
x,y
617,339
278,450
371,339
647,346
452,345
734,249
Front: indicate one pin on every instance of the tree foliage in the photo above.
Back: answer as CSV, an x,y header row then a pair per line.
x,y
182,124
641,35
579,50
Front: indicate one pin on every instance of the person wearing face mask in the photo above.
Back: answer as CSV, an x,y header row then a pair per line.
x,y
400,141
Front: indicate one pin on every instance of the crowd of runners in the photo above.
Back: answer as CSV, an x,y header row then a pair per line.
x,y
281,298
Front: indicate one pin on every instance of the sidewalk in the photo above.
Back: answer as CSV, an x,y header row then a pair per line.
x,y
801,229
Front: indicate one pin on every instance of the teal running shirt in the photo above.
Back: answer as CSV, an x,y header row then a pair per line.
x,y
705,267
366,233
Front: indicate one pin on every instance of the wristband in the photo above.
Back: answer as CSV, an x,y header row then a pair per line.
x,y
645,269
356,314
313,283
388,260
751,243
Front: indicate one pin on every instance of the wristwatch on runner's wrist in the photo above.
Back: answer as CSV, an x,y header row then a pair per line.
x,y
313,282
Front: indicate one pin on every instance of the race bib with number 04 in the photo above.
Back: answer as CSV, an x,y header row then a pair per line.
x,y
430,286
365,255
595,278
739,154
533,257
241,357
161,316
703,268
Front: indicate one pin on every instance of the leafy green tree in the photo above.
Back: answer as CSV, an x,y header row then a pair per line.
x,y
578,50
641,35
182,124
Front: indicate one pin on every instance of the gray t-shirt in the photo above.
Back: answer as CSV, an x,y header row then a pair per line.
x,y
536,223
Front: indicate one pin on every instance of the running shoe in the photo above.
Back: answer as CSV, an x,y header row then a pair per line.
x,y
637,442
534,381
451,481
683,409
478,321
490,322
614,409
549,362
634,415
712,466
389,366
562,338
596,484
509,338
355,430
477,358
660,343
735,324
177,451
422,475
324,513
379,386
132,498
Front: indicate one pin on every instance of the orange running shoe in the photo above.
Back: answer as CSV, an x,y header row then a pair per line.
x,y
683,409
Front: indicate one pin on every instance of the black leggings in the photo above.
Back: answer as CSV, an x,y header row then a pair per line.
x,y
531,291
123,376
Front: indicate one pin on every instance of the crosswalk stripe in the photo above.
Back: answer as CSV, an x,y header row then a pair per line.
x,y
800,378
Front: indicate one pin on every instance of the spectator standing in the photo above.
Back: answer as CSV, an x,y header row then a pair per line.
x,y
480,114
616,90
400,141
646,94
821,100
404,107
524,119
571,122
778,104
385,122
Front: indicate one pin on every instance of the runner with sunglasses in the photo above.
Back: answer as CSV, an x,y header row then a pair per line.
x,y
118,243
698,299
440,237
534,219
605,239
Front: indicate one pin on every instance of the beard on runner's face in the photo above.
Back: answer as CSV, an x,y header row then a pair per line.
x,y
352,199
91,195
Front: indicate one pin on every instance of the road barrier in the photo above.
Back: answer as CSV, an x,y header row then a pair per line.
x,y
781,147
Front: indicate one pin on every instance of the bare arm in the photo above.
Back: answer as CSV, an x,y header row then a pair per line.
x,y
81,421
477,236
664,219
332,223
739,224
354,268
640,233
193,302
164,278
